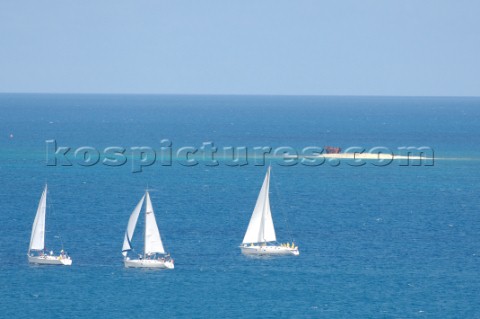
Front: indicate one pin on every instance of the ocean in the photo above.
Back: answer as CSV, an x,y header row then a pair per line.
x,y
376,241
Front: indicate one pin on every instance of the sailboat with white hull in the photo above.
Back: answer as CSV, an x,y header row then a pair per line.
x,y
154,255
36,251
260,238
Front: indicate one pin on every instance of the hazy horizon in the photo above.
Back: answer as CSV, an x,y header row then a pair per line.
x,y
244,94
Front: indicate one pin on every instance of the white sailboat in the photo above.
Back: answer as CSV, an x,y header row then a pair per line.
x,y
36,251
260,238
154,255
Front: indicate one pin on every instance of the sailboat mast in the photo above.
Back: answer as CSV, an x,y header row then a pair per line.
x,y
145,230
262,225
45,222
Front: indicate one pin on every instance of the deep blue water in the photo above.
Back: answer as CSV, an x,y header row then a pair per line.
x,y
376,241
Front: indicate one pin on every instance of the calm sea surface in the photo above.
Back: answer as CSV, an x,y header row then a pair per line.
x,y
375,241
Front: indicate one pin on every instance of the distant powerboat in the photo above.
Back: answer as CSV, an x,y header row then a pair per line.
x,y
260,238
332,150
36,251
154,255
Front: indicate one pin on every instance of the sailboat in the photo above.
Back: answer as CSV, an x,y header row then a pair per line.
x,y
154,255
260,238
36,251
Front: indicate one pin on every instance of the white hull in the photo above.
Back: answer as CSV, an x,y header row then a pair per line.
x,y
149,263
50,260
269,250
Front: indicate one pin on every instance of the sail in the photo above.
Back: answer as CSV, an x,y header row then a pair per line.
x,y
261,229
37,239
132,222
153,242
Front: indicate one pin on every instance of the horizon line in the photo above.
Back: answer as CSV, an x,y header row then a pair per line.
x,y
237,94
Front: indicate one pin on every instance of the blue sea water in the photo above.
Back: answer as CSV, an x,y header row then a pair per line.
x,y
375,241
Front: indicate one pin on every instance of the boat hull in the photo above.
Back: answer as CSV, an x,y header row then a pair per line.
x,y
50,260
269,250
149,263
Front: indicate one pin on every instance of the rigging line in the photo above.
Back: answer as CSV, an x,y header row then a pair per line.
x,y
282,210
161,233
50,211
163,238
54,226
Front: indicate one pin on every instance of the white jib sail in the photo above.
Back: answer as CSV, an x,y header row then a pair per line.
x,y
153,242
132,222
37,240
261,229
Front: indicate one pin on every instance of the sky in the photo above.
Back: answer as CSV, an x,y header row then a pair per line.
x,y
303,47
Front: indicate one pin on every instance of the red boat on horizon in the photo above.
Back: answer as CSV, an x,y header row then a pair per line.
x,y
332,149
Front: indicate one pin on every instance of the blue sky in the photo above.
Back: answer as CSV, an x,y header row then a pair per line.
x,y
337,47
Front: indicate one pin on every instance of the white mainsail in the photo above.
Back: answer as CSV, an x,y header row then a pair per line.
x,y
37,239
153,242
261,229
132,223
